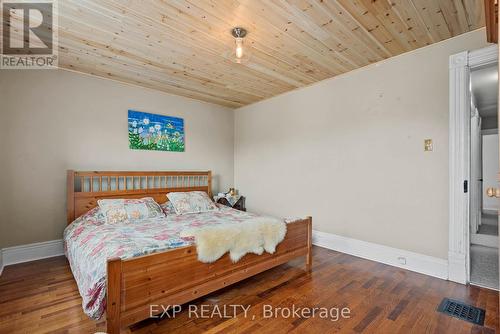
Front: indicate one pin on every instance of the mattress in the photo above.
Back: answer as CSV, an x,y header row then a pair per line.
x,y
89,242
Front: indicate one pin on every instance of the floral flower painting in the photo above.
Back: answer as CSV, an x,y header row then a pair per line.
x,y
155,132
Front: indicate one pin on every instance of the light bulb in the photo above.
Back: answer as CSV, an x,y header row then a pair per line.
x,y
239,47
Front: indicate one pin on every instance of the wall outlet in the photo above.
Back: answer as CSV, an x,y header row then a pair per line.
x,y
401,260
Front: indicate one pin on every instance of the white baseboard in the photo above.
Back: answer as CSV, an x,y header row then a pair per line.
x,y
490,211
419,263
30,252
484,240
457,267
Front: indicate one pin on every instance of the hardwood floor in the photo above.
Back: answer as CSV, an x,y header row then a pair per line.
x,y
42,297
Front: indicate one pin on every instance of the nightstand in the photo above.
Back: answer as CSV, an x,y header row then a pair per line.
x,y
239,205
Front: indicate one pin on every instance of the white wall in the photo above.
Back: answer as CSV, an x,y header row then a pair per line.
x,y
57,120
490,170
349,151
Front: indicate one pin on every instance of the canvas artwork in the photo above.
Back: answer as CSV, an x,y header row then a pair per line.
x,y
155,132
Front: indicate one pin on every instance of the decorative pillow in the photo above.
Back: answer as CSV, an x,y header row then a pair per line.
x,y
127,210
191,202
168,208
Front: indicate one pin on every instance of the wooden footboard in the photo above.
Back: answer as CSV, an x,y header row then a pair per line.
x,y
176,276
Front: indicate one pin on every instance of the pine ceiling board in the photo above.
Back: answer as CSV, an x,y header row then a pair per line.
x,y
475,13
349,31
454,15
433,17
183,46
112,67
261,86
147,73
280,49
388,16
188,25
126,73
378,30
271,26
300,14
272,55
346,18
261,30
145,70
122,75
160,73
338,36
290,25
279,29
182,59
412,20
280,62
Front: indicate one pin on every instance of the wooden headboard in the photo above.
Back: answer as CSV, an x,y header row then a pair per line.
x,y
85,188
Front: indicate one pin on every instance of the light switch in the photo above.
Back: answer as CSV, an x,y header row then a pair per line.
x,y
427,145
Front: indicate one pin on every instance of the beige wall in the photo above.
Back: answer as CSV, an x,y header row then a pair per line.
x,y
349,151
56,120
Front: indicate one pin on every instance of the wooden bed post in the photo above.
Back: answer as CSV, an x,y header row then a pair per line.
x,y
309,244
70,195
113,296
209,181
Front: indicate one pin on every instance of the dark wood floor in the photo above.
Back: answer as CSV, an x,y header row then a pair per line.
x,y
42,297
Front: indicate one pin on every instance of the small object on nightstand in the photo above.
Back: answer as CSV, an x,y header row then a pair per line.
x,y
236,202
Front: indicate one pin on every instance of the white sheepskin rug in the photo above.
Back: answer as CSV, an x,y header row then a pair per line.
x,y
255,236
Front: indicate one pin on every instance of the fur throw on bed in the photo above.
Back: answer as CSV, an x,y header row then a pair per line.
x,y
255,235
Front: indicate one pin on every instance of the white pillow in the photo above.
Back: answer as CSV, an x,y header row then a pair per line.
x,y
191,202
127,210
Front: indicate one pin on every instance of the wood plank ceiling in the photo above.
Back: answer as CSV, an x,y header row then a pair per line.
x,y
180,46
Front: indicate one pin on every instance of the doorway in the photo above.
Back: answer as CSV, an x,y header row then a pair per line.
x,y
465,209
483,205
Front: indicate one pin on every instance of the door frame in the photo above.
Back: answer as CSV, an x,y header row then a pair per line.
x,y
460,66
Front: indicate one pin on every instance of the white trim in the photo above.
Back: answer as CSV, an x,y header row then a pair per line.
x,y
424,264
456,264
1,262
31,252
483,57
484,240
419,263
459,169
489,107
484,286
459,156
486,132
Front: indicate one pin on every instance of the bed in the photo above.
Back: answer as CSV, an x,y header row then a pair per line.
x,y
129,268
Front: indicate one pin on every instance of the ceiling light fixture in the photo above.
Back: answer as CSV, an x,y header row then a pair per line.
x,y
239,55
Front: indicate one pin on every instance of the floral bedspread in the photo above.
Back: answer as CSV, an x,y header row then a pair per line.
x,y
89,242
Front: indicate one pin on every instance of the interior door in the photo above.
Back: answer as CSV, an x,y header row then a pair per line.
x,y
475,171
